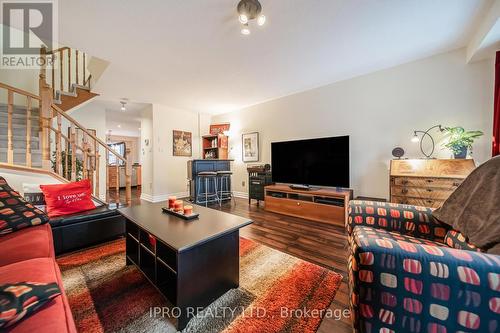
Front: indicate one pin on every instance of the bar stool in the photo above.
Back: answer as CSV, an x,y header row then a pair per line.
x,y
224,191
207,177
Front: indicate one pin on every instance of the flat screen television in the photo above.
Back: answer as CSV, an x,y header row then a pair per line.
x,y
319,162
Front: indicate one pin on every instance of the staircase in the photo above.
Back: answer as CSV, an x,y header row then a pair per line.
x,y
32,136
66,72
19,125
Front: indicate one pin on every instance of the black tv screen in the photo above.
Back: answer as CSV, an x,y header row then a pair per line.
x,y
320,162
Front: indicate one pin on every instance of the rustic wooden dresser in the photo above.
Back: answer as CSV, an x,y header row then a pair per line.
x,y
426,183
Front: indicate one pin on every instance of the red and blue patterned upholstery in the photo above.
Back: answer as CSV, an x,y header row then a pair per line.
x,y
15,212
457,240
405,219
404,278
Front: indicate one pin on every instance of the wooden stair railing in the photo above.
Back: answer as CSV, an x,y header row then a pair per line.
x,y
29,97
50,122
90,158
72,67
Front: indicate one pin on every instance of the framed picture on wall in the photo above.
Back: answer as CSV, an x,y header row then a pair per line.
x,y
250,142
182,143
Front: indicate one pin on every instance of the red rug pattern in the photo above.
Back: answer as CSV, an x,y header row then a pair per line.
x,y
277,293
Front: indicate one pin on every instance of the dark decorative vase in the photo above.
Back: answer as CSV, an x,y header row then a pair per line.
x,y
462,154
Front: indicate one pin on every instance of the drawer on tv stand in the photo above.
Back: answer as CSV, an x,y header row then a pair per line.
x,y
331,214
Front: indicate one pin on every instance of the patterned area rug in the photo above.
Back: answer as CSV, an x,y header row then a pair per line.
x,y
277,293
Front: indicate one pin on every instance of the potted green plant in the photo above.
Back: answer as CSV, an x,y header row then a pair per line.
x,y
64,155
460,140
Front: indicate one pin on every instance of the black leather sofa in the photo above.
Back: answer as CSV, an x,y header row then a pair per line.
x,y
72,232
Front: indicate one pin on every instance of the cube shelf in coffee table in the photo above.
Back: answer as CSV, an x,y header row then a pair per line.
x,y
155,259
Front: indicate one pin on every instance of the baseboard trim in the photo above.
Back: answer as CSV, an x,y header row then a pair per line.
x,y
162,197
243,195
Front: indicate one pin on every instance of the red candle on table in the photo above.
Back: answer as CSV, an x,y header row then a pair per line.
x,y
178,206
188,210
171,201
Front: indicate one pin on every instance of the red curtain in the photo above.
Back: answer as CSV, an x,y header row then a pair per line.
x,y
496,112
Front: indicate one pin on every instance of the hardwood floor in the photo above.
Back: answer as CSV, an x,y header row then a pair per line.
x,y
319,243
136,195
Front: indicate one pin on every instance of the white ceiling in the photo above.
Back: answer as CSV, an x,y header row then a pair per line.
x,y
190,53
126,122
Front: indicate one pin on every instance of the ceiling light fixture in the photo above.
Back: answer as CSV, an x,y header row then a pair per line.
x,y
123,106
245,30
243,19
249,10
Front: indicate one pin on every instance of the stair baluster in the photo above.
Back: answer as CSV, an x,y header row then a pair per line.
x,y
107,176
84,67
10,139
50,121
128,178
69,69
28,131
58,147
61,70
73,153
97,158
53,75
117,183
76,65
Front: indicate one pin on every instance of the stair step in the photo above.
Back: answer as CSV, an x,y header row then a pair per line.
x,y
18,128
20,157
20,142
18,109
18,119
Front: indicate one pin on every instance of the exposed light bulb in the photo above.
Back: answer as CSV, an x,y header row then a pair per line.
x,y
243,18
122,108
261,19
245,30
415,138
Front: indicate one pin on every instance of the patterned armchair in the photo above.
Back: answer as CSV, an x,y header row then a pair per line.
x,y
404,278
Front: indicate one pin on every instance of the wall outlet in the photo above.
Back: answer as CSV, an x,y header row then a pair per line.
x,y
243,183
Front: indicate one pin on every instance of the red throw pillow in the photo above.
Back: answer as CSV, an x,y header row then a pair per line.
x,y
64,199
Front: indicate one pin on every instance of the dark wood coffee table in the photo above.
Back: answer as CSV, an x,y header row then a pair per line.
x,y
192,263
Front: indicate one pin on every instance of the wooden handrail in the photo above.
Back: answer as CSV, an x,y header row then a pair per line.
x,y
66,69
31,169
57,132
19,91
47,112
80,126
57,50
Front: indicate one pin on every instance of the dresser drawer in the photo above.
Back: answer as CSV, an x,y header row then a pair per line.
x,y
448,183
432,203
421,192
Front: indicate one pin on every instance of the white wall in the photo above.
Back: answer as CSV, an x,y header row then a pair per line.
x,y
17,178
146,158
379,111
131,142
170,172
93,116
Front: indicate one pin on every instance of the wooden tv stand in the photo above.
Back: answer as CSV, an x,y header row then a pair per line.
x,y
322,204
